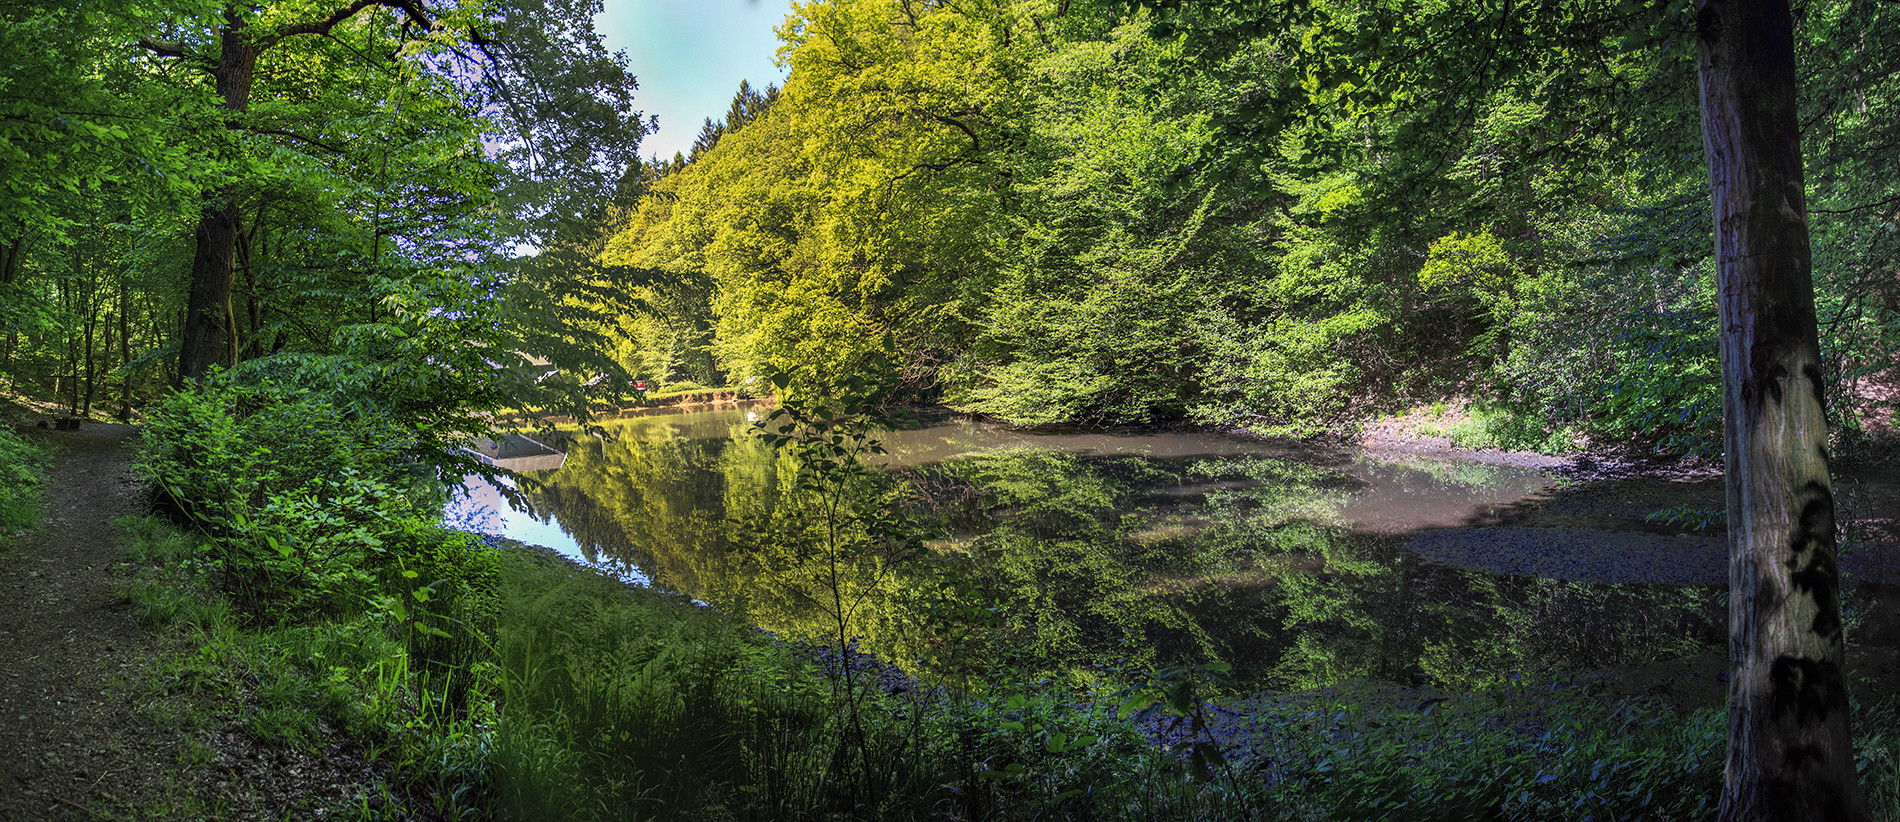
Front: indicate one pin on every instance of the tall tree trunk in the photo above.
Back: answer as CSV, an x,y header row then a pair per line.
x,y
92,362
1789,751
69,364
205,326
253,307
202,343
10,255
125,347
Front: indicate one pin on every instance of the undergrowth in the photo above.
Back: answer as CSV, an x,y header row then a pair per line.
x,y
23,466
314,604
1483,426
610,702
348,689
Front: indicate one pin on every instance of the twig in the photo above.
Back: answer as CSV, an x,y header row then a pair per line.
x,y
1875,204
83,809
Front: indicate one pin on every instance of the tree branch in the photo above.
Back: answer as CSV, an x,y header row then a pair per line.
x,y
1875,204
294,136
408,7
165,48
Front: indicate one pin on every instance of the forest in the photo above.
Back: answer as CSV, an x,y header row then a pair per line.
x,y
317,251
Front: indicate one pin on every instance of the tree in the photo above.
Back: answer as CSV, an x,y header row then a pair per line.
x,y
230,58
1790,755
560,104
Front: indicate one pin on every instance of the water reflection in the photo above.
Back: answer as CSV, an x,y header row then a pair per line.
x,y
1087,554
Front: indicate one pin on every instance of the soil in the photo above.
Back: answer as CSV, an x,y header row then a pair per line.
x,y
79,676
75,741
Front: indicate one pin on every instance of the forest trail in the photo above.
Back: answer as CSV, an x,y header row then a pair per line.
x,y
75,742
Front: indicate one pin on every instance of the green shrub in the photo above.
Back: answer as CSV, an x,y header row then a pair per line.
x,y
298,497
1549,758
1877,756
301,682
22,479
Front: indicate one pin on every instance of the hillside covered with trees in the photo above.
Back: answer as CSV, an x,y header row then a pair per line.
x,y
1063,214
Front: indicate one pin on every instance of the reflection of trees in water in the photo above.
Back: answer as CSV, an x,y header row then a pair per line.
x,y
659,502
596,529
1118,563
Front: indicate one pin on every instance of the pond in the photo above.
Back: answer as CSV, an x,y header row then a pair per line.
x,y
1094,556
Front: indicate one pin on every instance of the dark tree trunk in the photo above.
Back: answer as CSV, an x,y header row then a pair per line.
x,y
206,309
1789,752
125,346
10,260
202,344
9,270
92,370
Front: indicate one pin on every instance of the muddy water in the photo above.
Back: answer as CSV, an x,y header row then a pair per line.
x,y
1085,555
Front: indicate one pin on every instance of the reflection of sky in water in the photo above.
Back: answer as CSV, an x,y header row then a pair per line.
x,y
479,507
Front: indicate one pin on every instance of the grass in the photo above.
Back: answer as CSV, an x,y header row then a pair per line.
x,y
300,688
626,703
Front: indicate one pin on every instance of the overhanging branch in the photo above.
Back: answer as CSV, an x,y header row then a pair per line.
x,y
408,7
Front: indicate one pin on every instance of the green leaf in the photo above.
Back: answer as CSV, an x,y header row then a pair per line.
x,y
1139,701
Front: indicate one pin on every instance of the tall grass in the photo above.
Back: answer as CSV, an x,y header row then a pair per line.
x,y
624,703
361,679
610,703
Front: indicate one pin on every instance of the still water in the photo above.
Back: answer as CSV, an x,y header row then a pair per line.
x,y
1083,556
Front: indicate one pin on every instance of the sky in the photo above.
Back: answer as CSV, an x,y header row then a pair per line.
x,y
689,56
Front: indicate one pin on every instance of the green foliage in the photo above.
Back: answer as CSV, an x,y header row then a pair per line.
x,y
1688,516
443,589
297,497
1257,226
844,534
23,467
1877,755
1556,756
313,681
1483,425
620,700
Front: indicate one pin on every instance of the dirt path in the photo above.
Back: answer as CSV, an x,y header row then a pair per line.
x,y
74,742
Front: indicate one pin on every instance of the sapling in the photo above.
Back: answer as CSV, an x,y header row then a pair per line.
x,y
828,432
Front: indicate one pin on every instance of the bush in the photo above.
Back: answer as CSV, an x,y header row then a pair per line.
x,y
22,479
301,683
299,499
1483,426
